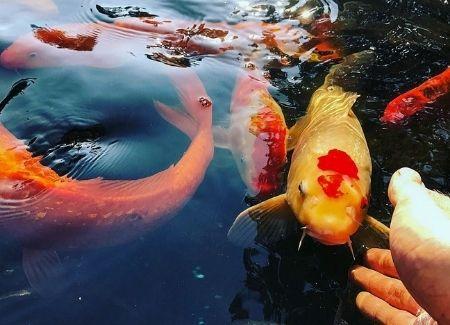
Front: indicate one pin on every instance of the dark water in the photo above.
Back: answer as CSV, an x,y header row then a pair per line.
x,y
88,122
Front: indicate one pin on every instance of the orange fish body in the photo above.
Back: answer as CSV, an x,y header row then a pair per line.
x,y
257,136
415,99
43,209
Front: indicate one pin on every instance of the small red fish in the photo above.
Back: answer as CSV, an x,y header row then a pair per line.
x,y
415,99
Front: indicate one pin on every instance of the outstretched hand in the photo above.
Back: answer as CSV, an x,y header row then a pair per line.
x,y
420,247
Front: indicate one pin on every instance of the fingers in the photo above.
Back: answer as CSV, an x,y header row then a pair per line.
x,y
390,290
381,260
379,310
403,182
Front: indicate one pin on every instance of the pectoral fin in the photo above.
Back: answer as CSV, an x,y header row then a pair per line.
x,y
371,234
44,271
265,223
295,132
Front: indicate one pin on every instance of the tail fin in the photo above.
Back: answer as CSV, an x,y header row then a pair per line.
x,y
347,74
196,102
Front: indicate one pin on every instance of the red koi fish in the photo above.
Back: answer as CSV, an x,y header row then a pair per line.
x,y
415,99
256,136
108,45
46,211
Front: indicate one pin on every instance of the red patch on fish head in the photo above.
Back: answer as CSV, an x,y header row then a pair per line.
x,y
330,185
340,162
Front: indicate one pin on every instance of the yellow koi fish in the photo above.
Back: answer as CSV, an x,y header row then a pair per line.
x,y
329,178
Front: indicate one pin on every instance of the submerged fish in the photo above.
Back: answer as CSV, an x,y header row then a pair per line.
x,y
46,211
89,44
415,99
280,39
110,45
257,136
329,178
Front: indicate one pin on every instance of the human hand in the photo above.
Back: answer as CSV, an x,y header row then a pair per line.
x,y
420,247
385,298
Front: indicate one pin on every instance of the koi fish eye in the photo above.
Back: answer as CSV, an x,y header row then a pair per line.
x,y
32,55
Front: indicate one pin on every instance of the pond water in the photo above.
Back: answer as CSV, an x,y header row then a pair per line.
x,y
91,113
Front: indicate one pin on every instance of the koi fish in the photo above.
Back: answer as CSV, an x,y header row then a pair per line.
x,y
107,45
415,99
329,177
257,136
94,45
46,211
286,38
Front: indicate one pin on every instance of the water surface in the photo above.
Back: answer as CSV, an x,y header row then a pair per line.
x,y
185,271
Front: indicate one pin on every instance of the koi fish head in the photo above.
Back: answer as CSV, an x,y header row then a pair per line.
x,y
27,52
330,202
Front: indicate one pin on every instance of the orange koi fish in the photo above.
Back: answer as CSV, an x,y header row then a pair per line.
x,y
329,177
257,136
111,45
415,99
46,211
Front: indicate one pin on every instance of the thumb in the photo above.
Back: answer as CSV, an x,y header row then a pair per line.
x,y
405,184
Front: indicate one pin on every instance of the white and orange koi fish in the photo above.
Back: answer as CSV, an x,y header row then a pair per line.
x,y
257,136
46,211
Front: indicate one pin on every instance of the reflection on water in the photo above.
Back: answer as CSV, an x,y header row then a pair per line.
x,y
99,69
